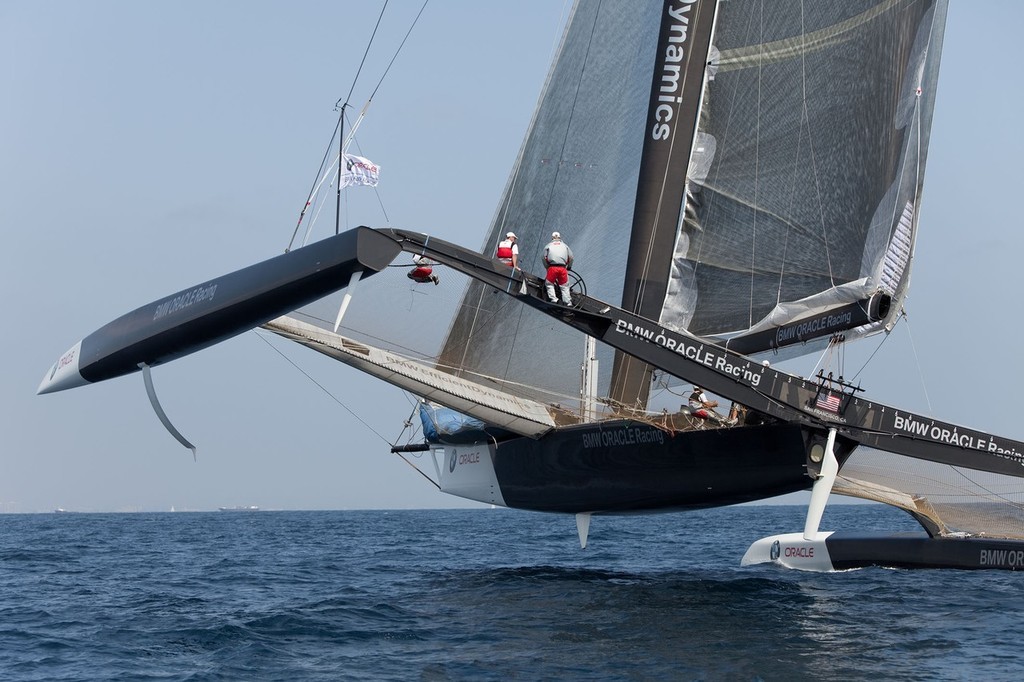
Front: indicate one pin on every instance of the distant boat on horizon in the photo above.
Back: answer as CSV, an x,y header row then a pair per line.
x,y
251,508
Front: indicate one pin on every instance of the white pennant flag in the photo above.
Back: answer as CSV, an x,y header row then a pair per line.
x,y
359,170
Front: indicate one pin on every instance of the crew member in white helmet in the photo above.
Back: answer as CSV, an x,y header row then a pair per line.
x,y
558,261
508,250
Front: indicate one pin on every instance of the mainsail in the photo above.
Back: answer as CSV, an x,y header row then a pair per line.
x,y
797,193
805,189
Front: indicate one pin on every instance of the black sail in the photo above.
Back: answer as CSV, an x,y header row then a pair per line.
x,y
576,174
792,189
814,134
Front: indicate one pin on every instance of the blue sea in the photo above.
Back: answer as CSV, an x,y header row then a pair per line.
x,y
480,594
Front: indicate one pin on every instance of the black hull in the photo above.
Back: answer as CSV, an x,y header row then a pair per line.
x,y
849,550
628,467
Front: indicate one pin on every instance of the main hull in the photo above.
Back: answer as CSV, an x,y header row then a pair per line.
x,y
628,467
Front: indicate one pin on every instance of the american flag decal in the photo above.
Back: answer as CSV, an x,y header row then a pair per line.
x,y
827,400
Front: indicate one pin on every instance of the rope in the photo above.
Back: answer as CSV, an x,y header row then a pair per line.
x,y
408,423
400,46
870,357
363,61
343,106
337,129
322,388
417,470
917,361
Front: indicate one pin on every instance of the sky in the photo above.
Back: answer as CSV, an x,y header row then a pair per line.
x,y
148,147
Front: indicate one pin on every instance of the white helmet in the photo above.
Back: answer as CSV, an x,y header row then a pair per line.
x,y
555,235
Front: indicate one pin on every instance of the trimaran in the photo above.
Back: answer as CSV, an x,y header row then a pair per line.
x,y
745,181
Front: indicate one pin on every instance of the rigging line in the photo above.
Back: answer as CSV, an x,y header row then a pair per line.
x,y
312,189
341,116
506,384
700,233
821,207
400,46
407,425
390,343
519,160
376,189
482,291
322,388
415,356
943,486
885,337
417,470
796,154
817,180
369,43
488,242
825,358
572,112
757,162
351,90
917,361
992,493
337,128
515,337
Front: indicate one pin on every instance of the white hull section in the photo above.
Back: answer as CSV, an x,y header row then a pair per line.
x,y
64,373
524,417
791,550
468,471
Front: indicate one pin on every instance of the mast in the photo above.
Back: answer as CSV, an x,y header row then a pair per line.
x,y
341,163
588,380
670,127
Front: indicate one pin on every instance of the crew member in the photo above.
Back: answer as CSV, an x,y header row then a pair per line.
x,y
558,261
423,271
704,408
508,250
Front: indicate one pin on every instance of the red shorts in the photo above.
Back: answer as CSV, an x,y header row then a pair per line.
x,y
557,274
421,273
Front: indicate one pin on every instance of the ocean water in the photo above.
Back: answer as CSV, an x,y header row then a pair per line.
x,y
486,594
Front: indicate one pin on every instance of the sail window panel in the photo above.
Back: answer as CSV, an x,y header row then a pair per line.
x,y
808,113
576,174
